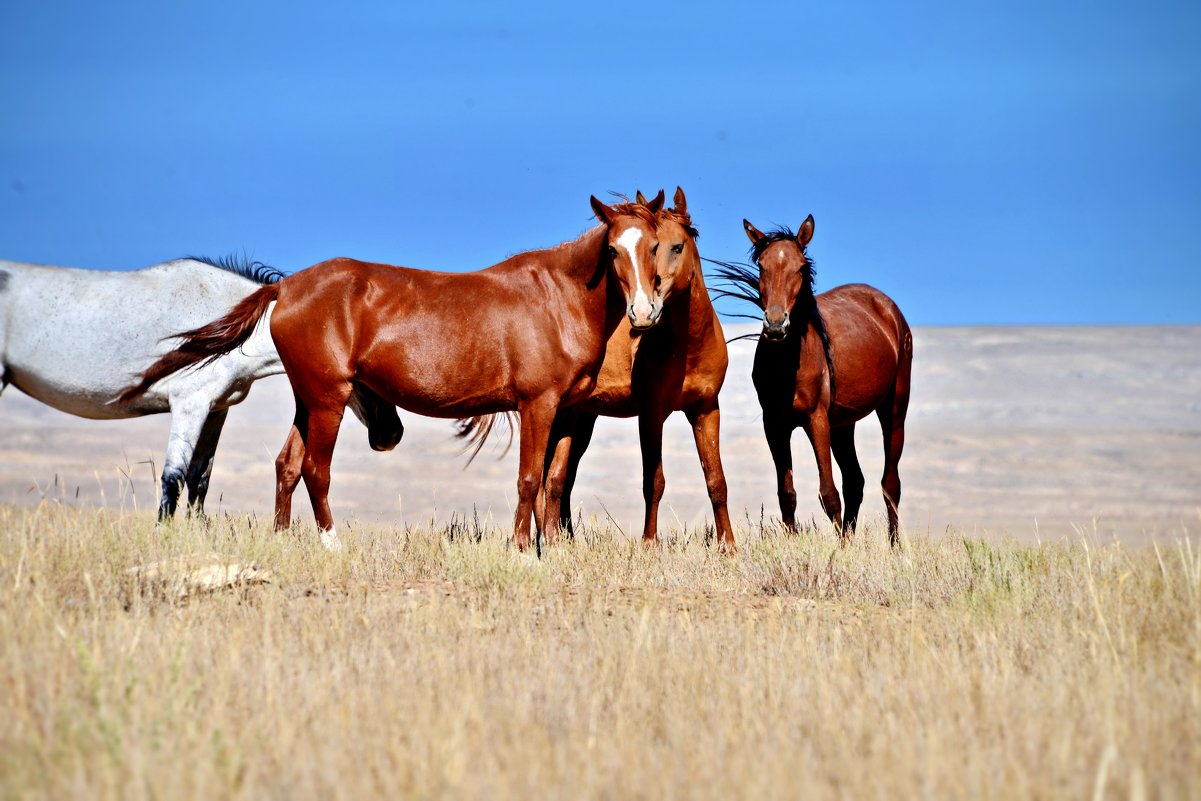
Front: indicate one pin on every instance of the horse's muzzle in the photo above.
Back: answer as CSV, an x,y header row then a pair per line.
x,y
645,320
775,329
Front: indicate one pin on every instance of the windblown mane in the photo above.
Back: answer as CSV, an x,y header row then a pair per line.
x,y
740,281
634,210
684,220
256,271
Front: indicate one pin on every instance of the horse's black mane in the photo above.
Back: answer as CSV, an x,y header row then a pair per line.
x,y
740,281
243,266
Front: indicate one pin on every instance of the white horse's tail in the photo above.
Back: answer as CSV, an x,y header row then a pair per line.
x,y
208,343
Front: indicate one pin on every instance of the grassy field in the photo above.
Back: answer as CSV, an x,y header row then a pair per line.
x,y
441,663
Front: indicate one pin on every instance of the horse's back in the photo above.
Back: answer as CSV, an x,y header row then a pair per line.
x,y
72,338
417,337
869,345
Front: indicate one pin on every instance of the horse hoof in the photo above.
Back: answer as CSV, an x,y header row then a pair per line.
x,y
330,541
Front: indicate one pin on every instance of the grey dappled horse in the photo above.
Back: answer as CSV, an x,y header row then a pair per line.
x,y
73,339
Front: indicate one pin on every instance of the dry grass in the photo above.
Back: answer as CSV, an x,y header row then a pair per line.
x,y
442,664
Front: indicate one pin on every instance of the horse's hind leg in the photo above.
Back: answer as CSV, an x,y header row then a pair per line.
x,y
187,423
892,413
201,466
842,443
892,425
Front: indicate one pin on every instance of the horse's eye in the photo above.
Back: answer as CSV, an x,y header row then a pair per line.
x,y
612,251
677,249
654,248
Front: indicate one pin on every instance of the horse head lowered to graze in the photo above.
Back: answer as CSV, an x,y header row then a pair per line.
x,y
858,361
526,335
73,338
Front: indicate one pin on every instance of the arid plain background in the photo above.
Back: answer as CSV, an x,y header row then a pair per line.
x,y
430,659
1026,432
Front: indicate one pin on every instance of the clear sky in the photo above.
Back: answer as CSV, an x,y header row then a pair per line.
x,y
980,162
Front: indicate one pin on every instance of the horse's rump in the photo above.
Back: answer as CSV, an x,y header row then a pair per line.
x,y
204,345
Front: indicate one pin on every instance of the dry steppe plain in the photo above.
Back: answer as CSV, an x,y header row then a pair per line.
x,y
1038,635
1033,433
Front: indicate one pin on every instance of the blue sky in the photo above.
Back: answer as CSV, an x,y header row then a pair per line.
x,y
982,163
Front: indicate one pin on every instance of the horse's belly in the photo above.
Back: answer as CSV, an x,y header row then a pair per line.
x,y
609,403
439,394
93,402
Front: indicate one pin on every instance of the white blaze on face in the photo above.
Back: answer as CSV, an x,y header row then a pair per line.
x,y
628,241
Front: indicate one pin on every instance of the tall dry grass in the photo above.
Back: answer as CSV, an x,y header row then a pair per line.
x,y
427,663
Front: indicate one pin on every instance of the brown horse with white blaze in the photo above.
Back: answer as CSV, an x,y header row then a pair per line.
x,y
525,335
823,363
669,359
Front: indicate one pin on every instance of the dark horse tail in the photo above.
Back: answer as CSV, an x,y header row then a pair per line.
x,y
208,343
476,431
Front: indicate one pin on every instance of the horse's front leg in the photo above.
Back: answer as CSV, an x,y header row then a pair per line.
x,y
537,416
187,421
581,436
287,475
818,429
706,430
650,437
778,432
558,459
201,467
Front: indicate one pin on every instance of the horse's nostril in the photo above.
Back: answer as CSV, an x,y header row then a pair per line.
x,y
775,329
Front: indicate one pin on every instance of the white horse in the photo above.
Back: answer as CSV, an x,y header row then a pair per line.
x,y
73,339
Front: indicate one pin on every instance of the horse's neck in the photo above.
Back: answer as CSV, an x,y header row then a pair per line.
x,y
801,321
581,258
581,273
692,312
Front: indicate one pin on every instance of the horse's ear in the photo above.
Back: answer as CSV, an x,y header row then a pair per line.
x,y
602,212
681,202
639,197
752,233
656,203
806,233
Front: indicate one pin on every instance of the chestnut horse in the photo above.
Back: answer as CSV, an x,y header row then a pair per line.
x,y
823,363
525,335
674,361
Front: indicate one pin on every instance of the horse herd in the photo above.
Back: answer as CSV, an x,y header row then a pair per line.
x,y
617,322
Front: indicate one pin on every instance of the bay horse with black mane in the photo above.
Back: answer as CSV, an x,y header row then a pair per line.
x,y
672,359
823,363
525,335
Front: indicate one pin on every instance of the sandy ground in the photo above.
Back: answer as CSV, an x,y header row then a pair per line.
x,y
1029,432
